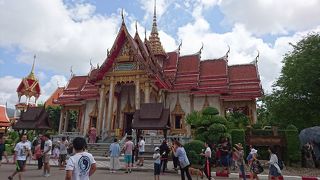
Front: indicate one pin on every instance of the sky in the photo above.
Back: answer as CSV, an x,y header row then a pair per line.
x,y
68,34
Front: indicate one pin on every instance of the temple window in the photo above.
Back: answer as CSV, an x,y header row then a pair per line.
x,y
177,123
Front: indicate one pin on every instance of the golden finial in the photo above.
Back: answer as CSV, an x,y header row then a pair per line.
x,y
31,75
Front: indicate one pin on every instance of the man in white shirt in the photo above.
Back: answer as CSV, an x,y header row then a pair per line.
x,y
21,151
141,151
81,165
47,151
207,165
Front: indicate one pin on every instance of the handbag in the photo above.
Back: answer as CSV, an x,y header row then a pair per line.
x,y
257,167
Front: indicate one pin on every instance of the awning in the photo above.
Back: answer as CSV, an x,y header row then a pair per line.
x,y
151,116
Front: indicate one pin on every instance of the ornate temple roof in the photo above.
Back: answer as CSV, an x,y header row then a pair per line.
x,y
4,120
154,39
29,86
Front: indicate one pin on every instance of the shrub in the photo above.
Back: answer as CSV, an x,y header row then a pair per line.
x,y
293,144
193,149
238,136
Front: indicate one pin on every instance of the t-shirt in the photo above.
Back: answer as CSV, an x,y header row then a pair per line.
x,y
128,147
182,156
22,149
63,147
48,145
208,152
80,165
156,157
141,145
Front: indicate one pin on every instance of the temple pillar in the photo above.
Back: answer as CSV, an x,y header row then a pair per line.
x,y
147,92
101,107
137,100
61,120
82,128
254,111
66,121
110,104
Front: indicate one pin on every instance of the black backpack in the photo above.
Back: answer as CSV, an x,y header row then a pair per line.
x,y
280,164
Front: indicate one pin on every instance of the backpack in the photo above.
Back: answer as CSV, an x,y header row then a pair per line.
x,y
280,164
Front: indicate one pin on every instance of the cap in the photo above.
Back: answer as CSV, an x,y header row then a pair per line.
x,y
156,149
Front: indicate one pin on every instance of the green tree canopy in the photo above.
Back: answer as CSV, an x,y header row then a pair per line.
x,y
296,95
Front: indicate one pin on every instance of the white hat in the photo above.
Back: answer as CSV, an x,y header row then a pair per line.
x,y
156,149
253,151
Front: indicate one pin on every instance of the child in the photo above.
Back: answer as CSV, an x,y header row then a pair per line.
x,y
157,167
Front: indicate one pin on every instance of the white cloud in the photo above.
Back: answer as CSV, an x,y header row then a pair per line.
x,y
51,86
51,32
272,16
8,93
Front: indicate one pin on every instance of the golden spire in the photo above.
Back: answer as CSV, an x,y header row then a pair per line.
x,y
31,75
154,39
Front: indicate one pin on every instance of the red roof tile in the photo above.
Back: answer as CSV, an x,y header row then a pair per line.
x,y
4,120
213,68
243,72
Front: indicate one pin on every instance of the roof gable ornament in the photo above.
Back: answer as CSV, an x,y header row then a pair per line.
x,y
71,72
257,57
201,49
179,47
122,16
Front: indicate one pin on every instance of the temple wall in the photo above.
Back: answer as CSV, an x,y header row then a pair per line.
x,y
198,102
88,110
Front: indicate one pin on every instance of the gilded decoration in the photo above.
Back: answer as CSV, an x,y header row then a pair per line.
x,y
178,111
126,53
128,108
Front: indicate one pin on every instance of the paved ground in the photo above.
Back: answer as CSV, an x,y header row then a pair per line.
x,y
33,174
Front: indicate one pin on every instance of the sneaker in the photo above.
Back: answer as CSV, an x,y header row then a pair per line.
x,y
47,175
126,172
10,177
130,171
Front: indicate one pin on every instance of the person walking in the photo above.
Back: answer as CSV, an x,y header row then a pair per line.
x,y
128,147
157,167
92,135
114,156
141,146
164,152
63,146
3,150
274,169
255,167
81,165
21,151
207,156
239,153
47,151
179,152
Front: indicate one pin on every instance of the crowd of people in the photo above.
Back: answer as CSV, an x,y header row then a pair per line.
x,y
82,164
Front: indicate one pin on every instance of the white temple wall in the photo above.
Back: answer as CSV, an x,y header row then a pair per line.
x,y
89,108
198,102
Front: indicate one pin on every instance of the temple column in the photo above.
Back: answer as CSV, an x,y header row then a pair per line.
x,y
137,100
82,128
101,107
110,104
66,121
147,92
61,120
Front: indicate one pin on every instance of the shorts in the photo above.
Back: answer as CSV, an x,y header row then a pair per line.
x,y
128,158
273,171
62,158
157,168
141,153
20,165
46,158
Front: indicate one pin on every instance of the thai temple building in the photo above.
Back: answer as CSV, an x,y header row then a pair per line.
x,y
139,80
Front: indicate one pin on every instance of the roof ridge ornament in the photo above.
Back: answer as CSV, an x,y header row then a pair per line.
x,y
136,26
257,57
201,49
71,72
122,16
228,52
91,66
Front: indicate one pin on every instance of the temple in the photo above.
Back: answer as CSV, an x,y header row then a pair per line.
x,y
139,74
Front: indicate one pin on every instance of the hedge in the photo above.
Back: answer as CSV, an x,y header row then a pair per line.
x,y
193,150
293,144
238,136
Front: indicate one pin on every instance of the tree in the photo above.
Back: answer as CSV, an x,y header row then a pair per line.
x,y
208,125
296,95
54,116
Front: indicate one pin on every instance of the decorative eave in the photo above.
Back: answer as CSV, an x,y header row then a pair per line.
x,y
177,108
